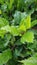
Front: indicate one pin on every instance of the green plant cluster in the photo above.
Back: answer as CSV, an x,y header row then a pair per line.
x,y
18,32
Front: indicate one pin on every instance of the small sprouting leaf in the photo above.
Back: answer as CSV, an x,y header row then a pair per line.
x,y
28,37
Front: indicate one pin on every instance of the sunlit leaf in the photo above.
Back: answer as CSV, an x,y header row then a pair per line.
x,y
27,37
3,22
30,61
26,22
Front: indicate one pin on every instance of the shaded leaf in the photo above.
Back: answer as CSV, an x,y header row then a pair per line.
x,y
5,56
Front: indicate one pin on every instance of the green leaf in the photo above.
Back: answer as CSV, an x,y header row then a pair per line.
x,y
5,41
30,61
11,29
1,1
14,30
27,37
33,23
11,3
17,17
0,12
2,33
3,22
5,56
22,28
4,30
26,22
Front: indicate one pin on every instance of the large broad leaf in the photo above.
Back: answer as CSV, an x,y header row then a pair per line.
x,y
18,16
26,22
27,37
3,22
5,56
30,61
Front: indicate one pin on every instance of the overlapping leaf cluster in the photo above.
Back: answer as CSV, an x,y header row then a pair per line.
x,y
18,32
